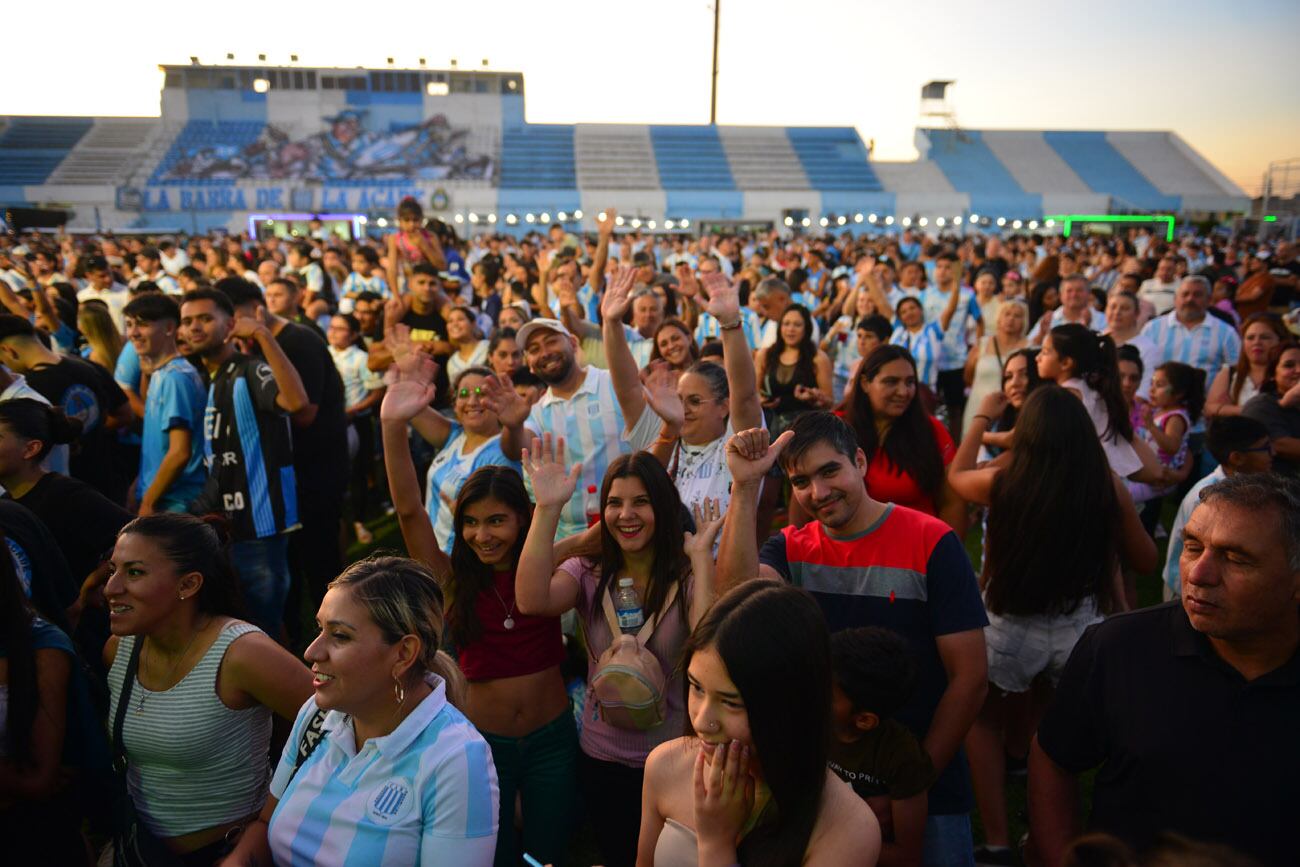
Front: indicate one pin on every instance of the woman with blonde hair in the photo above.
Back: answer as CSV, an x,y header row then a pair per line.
x,y
988,357
103,340
380,760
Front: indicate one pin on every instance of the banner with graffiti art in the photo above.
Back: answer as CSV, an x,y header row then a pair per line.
x,y
344,151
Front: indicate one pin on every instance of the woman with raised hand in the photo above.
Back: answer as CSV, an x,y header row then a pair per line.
x,y
381,766
708,403
749,783
646,554
193,688
516,696
471,441
1060,525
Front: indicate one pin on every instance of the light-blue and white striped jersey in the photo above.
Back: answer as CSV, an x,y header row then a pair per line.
x,y
595,432
708,328
1210,345
955,347
447,474
844,356
354,283
898,293
642,347
1096,319
424,794
925,346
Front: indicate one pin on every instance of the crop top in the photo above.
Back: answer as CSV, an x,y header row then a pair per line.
x,y
533,644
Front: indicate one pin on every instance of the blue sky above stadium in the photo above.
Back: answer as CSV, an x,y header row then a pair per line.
x,y
1220,74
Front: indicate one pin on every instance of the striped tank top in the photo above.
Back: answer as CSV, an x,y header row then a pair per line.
x,y
193,762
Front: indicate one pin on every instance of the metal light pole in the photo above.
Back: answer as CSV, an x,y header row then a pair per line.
x,y
713,96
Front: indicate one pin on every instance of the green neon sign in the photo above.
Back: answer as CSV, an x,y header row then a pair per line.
x,y
1270,219
1069,219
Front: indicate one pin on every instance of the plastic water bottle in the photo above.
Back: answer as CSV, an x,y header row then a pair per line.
x,y
627,607
592,504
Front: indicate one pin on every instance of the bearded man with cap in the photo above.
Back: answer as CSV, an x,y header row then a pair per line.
x,y
579,404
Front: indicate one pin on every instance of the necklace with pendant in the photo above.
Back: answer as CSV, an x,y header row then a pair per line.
x,y
144,696
509,622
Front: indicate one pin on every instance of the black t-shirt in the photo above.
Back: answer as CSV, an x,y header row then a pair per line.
x,y
1183,741
40,564
82,521
87,392
425,326
320,450
888,760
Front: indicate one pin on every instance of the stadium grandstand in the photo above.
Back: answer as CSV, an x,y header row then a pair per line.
x,y
237,144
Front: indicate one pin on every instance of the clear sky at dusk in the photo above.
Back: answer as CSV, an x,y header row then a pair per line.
x,y
1221,74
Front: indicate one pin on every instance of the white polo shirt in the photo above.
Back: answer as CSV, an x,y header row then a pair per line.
x,y
424,794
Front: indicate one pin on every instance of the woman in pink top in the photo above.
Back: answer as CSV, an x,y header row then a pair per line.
x,y
642,538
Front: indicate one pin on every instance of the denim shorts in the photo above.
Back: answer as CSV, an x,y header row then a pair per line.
x,y
1021,648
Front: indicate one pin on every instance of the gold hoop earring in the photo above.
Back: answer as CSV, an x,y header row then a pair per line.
x,y
398,692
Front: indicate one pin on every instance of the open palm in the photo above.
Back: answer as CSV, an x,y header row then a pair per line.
x,y
724,298
553,483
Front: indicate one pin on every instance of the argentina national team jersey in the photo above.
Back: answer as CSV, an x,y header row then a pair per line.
x,y
955,350
425,794
592,424
248,449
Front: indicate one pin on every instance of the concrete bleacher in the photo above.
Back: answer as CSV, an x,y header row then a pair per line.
x,y
1105,170
538,156
614,156
972,167
230,134
833,158
762,158
31,148
108,153
691,158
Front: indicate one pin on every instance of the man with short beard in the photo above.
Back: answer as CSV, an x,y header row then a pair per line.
x,y
579,405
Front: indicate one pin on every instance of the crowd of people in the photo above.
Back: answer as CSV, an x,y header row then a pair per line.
x,y
730,549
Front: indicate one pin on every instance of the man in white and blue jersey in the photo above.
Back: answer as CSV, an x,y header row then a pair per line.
x,y
952,360
579,404
148,265
921,338
172,474
248,447
1188,334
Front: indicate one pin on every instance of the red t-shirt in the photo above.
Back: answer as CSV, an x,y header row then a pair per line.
x,y
531,644
888,484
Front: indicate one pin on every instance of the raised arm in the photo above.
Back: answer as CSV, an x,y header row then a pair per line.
x,y
974,484
409,393
950,309
392,258
601,257
623,369
540,588
742,381
293,396
750,454
699,550
511,410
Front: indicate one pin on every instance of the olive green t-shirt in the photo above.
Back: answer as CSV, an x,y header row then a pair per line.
x,y
888,760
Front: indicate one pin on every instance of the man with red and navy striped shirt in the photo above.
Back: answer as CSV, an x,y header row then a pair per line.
x,y
869,563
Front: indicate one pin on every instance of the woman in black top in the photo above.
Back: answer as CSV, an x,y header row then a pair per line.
x,y
794,375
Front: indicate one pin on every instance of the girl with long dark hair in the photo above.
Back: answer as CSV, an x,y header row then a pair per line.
x,y
644,545
794,375
516,696
203,684
1019,378
748,783
1060,525
1084,363
906,448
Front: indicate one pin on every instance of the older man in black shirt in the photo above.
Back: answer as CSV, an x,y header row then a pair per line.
x,y
1191,709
